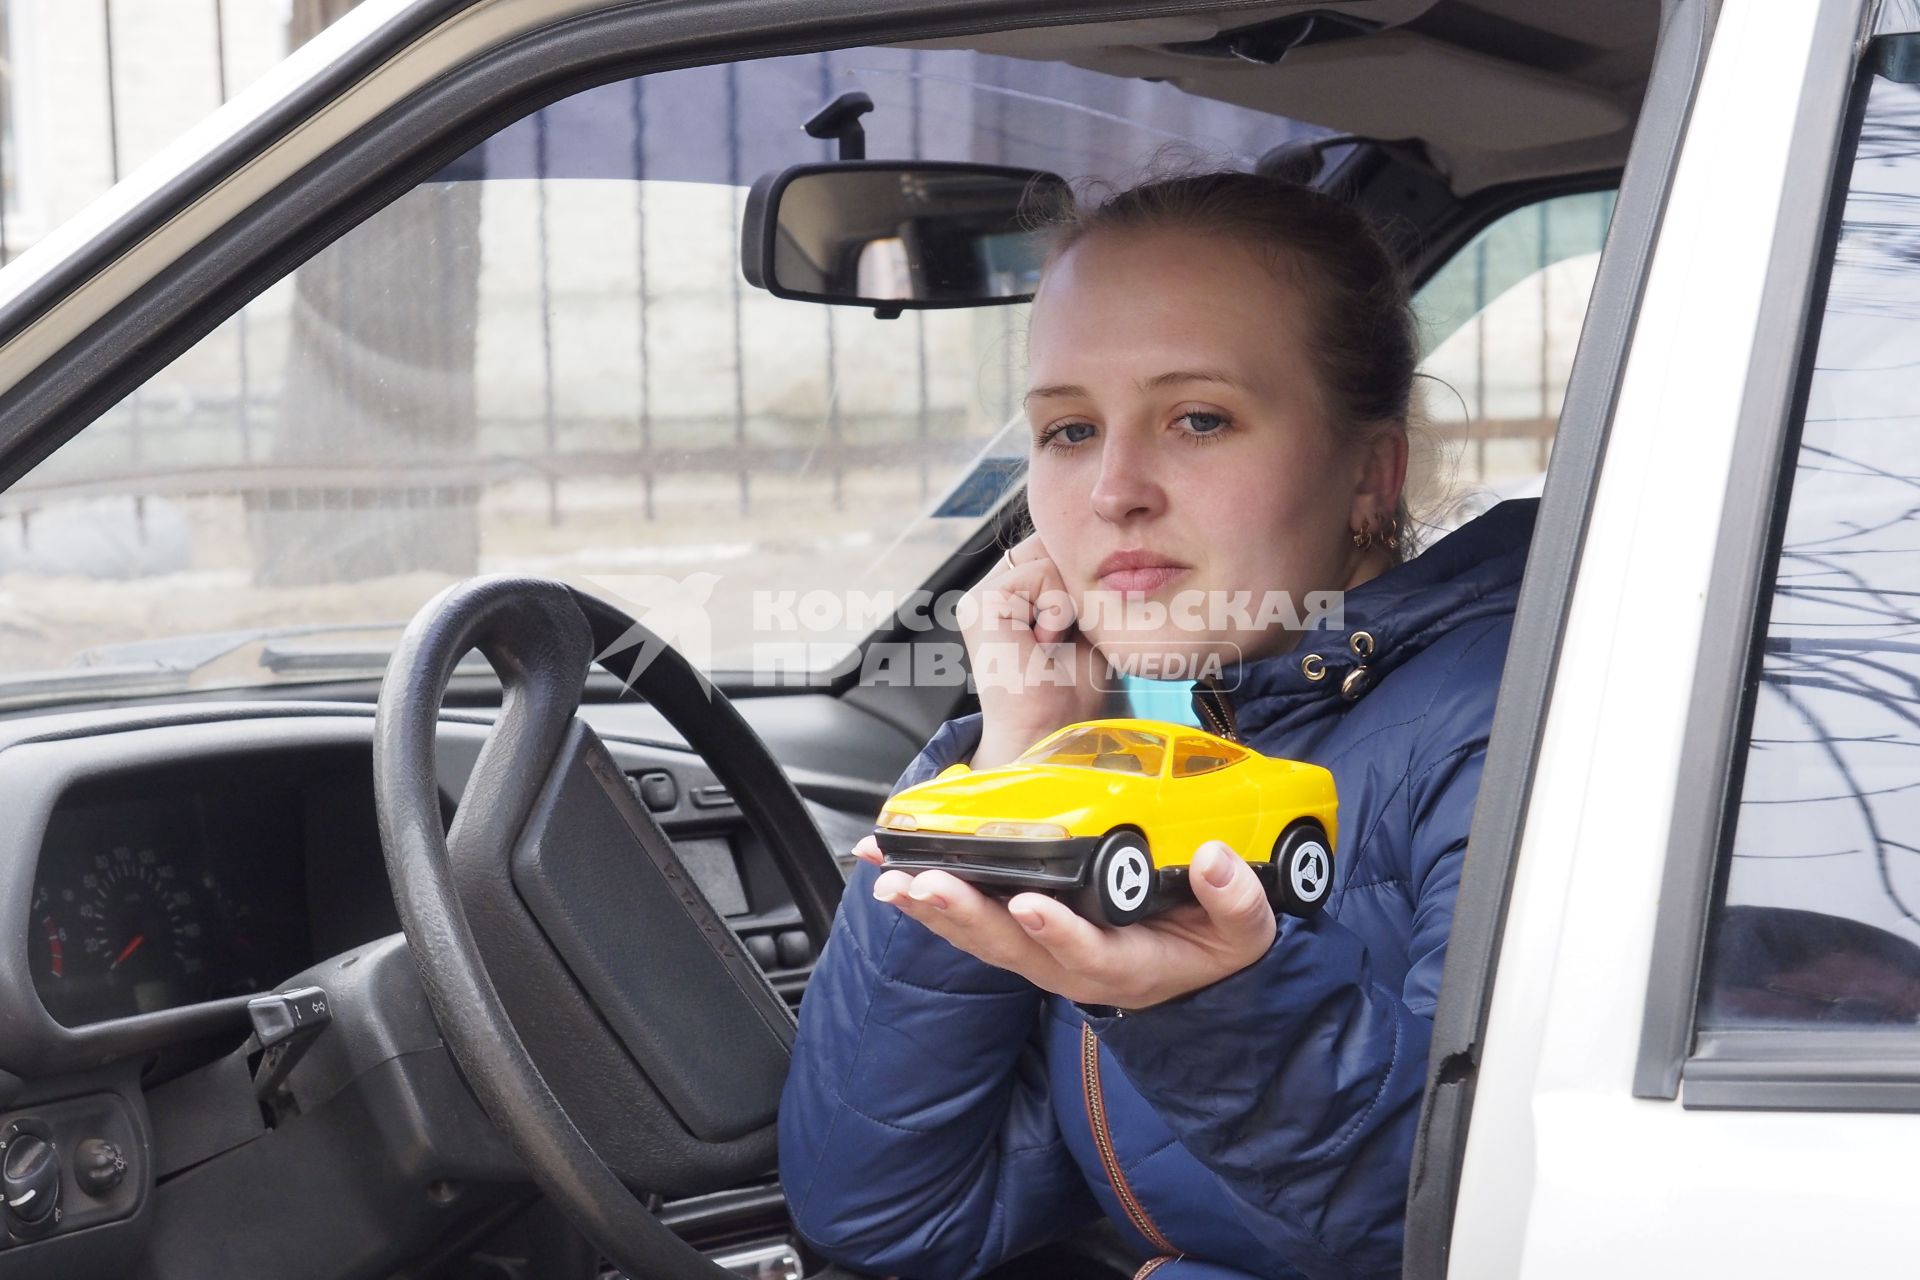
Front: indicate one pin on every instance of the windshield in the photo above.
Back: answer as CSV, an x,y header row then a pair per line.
x,y
545,360
1115,750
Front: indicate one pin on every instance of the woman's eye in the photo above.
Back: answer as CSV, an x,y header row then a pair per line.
x,y
1202,423
1066,435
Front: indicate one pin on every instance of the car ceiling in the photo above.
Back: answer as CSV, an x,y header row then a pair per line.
x,y
1498,91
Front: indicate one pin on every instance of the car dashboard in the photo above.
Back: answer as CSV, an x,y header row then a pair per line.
x,y
159,870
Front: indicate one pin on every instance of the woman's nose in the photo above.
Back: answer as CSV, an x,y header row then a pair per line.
x,y
1127,486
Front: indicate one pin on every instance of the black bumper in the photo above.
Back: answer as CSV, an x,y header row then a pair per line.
x,y
1014,864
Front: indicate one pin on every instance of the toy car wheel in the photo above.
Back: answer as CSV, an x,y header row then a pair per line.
x,y
1303,869
1122,882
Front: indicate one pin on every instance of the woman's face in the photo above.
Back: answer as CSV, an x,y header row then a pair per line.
x,y
1182,451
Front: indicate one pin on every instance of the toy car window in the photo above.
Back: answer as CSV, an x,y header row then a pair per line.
x,y
1193,757
1818,914
1115,750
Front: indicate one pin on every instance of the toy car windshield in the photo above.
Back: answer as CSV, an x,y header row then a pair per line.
x,y
1117,750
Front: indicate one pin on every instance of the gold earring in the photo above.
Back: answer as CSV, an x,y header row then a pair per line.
x,y
1363,536
1390,533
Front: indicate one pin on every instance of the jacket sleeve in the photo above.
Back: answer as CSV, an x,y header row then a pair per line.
x,y
916,1134
1298,1080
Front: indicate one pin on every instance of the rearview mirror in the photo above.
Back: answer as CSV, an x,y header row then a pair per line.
x,y
893,234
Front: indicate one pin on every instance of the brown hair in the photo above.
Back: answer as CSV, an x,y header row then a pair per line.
x,y
1364,342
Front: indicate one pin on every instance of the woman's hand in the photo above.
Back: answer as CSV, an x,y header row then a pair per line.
x,y
1034,670
1044,941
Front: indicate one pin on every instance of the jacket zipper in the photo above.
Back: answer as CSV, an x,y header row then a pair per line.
x,y
1152,1265
1103,1141
1216,710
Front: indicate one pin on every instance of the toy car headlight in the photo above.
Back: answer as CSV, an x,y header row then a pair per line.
x,y
1022,831
899,821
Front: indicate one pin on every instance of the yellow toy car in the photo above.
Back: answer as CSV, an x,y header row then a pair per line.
x,y
1109,813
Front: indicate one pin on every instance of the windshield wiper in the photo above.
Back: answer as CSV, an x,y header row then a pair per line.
x,y
344,659
190,653
164,665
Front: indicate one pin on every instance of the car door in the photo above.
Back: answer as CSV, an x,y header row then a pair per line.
x,y
1688,1046
1207,797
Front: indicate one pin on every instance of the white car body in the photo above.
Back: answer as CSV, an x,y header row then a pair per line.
x,y
1574,1167
1567,1173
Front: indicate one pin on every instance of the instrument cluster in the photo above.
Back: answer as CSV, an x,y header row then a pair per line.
x,y
165,887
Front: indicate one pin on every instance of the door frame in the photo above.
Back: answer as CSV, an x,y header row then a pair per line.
x,y
1546,595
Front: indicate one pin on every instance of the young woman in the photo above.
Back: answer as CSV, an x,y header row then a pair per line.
x,y
1220,371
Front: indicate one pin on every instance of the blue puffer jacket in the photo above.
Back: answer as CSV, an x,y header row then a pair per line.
x,y
943,1115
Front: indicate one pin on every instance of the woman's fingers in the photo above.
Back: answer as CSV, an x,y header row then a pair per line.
x,y
1078,946
1052,946
891,886
1034,668
1231,894
1027,590
1028,548
868,850
967,918
1028,595
1229,926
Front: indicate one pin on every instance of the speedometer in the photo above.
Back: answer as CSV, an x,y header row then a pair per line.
x,y
182,884
138,930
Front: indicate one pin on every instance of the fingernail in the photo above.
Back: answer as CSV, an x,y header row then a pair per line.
x,y
1029,919
1216,864
921,894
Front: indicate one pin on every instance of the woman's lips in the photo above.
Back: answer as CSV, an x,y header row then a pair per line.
x,y
1146,578
1136,571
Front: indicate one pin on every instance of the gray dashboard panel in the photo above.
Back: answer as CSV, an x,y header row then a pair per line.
x,y
41,758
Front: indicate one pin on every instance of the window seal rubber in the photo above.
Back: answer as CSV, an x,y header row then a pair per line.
x,y
1845,1069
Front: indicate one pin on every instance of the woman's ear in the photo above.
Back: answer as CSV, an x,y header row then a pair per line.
x,y
1383,474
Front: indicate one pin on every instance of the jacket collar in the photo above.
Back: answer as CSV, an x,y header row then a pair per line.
x,y
1472,573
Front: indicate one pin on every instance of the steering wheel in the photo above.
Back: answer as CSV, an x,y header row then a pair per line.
x,y
580,979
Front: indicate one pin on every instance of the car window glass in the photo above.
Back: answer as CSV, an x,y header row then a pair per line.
x,y
545,360
1193,756
1115,750
1499,324
1818,917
